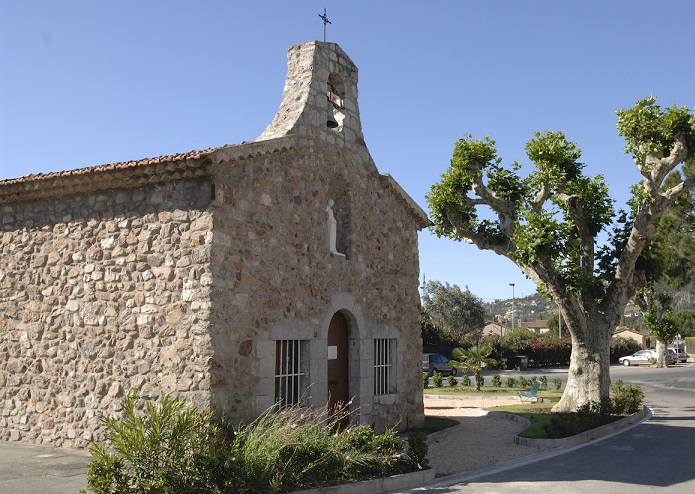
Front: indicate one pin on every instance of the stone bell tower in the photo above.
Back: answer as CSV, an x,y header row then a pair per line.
x,y
320,96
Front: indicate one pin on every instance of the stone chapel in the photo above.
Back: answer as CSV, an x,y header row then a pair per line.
x,y
279,270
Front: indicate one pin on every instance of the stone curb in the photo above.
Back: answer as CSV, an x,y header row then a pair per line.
x,y
580,438
378,486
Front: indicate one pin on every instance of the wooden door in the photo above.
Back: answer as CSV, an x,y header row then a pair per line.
x,y
338,368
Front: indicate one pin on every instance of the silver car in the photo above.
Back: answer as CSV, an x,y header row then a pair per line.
x,y
433,363
644,357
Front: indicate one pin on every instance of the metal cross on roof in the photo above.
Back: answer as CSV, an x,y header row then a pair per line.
x,y
325,21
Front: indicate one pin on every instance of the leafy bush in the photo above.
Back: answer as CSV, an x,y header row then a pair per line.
x,y
512,382
482,380
169,447
541,350
466,380
626,399
452,381
586,417
544,382
425,380
557,382
438,380
165,448
497,381
523,382
418,449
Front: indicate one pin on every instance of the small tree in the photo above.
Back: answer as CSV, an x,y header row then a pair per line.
x,y
475,359
452,311
662,324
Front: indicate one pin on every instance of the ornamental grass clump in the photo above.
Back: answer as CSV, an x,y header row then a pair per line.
x,y
168,447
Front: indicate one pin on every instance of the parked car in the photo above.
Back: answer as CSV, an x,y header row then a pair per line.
x,y
645,357
433,363
673,356
680,354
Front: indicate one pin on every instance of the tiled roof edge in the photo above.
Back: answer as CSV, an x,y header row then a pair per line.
x,y
103,177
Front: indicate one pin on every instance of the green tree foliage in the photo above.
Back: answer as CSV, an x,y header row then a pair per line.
x,y
661,322
475,359
685,320
554,325
548,224
454,313
675,236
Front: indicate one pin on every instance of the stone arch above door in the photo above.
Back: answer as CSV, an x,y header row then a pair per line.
x,y
359,346
346,304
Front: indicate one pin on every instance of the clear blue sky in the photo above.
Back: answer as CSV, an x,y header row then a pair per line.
x,y
84,83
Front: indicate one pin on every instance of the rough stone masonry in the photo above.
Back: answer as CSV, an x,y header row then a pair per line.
x,y
179,274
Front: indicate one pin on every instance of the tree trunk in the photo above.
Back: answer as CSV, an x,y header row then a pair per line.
x,y
661,355
588,378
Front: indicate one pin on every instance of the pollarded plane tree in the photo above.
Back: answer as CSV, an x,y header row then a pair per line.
x,y
548,224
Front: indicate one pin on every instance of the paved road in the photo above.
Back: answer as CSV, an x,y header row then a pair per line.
x,y
651,457
28,469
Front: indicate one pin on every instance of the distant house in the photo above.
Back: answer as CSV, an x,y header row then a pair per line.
x,y
538,326
629,334
494,328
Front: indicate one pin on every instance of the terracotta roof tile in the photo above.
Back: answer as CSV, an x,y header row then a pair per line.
x,y
109,167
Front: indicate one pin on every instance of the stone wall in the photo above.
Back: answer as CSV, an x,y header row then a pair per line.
x,y
100,292
274,277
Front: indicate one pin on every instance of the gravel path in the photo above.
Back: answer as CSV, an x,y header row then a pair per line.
x,y
479,441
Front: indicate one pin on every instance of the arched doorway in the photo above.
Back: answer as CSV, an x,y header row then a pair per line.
x,y
338,363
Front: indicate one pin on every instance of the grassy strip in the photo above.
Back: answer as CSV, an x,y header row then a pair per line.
x,y
537,413
488,391
435,424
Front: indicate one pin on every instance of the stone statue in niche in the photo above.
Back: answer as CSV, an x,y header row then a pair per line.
x,y
332,230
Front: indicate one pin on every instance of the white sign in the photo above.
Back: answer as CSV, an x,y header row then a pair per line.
x,y
332,352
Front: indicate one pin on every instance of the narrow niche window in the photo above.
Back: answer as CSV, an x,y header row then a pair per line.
x,y
332,227
384,382
289,372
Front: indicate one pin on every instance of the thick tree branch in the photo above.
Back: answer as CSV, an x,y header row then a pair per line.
x,y
575,210
541,197
481,241
655,168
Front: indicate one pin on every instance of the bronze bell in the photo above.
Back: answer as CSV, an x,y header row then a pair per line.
x,y
331,122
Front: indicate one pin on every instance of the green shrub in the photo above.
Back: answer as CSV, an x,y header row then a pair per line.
x,y
557,382
425,380
168,447
586,417
544,382
523,382
438,380
496,381
466,380
482,380
418,449
512,382
452,381
626,399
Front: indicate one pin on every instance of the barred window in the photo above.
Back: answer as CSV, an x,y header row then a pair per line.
x,y
288,372
383,363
